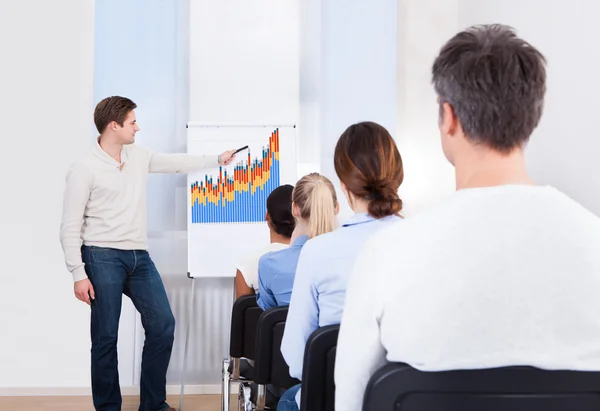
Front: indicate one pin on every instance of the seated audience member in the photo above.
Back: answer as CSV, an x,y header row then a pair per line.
x,y
314,205
281,225
504,272
369,167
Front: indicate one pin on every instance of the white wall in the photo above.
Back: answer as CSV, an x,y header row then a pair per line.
x,y
46,113
348,57
564,150
310,33
244,61
354,69
423,27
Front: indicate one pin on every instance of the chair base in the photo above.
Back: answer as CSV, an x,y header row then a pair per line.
x,y
244,398
225,385
234,370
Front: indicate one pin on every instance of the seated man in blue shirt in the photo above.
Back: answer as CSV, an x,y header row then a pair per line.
x,y
370,170
314,205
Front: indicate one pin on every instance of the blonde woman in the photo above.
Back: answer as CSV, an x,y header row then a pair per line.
x,y
314,206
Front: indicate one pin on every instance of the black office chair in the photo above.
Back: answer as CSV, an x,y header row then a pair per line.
x,y
269,366
244,321
398,387
318,386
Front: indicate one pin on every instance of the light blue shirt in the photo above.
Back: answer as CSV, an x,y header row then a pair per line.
x,y
276,272
319,291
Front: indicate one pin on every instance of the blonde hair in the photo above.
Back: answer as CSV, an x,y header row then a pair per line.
x,y
315,196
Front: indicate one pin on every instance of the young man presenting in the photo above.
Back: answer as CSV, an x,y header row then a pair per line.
x,y
103,235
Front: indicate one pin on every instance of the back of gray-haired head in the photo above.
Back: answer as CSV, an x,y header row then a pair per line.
x,y
495,82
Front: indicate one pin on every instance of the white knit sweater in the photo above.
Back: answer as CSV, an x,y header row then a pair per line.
x,y
492,277
105,205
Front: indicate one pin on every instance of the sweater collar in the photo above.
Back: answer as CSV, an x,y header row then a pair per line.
x,y
107,158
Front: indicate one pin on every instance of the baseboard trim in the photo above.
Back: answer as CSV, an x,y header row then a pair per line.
x,y
86,391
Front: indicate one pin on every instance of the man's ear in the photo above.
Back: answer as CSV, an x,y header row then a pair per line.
x,y
449,119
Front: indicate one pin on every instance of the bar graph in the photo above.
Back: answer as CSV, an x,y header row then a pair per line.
x,y
239,196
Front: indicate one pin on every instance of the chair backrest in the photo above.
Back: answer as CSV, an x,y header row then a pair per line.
x,y
269,365
318,386
400,387
244,322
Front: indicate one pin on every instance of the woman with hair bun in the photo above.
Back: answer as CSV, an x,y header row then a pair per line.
x,y
369,167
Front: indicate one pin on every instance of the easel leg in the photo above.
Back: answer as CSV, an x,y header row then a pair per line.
x,y
187,337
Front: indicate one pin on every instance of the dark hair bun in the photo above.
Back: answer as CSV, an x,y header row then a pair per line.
x,y
383,200
279,207
368,162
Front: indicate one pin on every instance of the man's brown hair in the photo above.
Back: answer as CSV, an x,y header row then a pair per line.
x,y
113,108
495,83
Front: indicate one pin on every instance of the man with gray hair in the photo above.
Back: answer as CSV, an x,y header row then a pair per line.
x,y
504,272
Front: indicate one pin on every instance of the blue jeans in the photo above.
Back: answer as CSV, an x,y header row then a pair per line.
x,y
287,402
130,272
